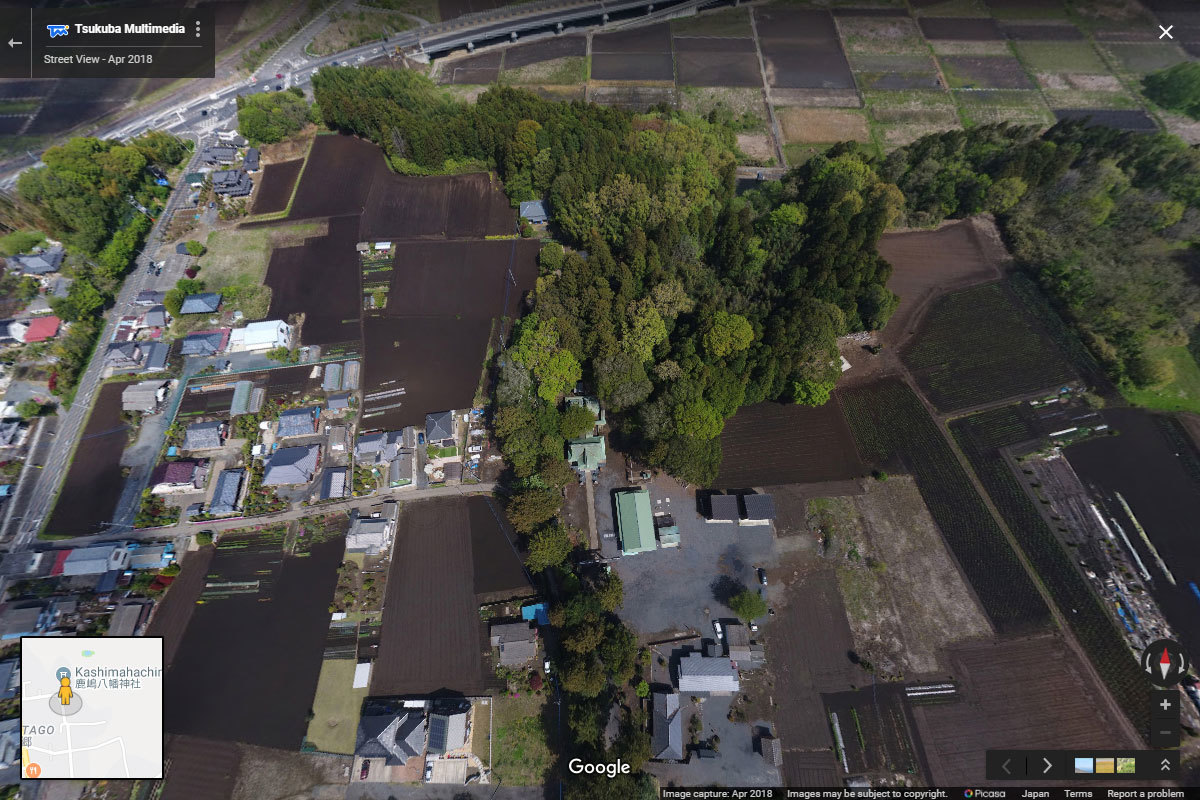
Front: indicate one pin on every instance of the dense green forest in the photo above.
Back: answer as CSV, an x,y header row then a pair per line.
x,y
82,197
274,116
1104,220
1176,88
690,302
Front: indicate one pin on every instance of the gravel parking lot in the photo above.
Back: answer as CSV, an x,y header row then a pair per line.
x,y
667,590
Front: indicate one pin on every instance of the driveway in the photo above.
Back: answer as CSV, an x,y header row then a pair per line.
x,y
668,590
738,762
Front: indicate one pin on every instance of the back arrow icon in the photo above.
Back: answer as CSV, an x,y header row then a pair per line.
x,y
11,43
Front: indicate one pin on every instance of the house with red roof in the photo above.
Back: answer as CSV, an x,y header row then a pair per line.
x,y
42,328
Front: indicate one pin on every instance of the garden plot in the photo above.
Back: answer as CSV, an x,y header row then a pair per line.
x,y
567,71
895,71
1141,59
1120,17
634,98
1027,9
726,22
905,116
1014,106
986,72
949,8
478,69
524,55
1050,32
880,36
1060,57
819,125
961,29
275,187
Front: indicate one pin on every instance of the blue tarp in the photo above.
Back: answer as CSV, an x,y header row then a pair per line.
x,y
538,612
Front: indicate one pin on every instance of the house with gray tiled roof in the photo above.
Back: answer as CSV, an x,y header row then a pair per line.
x,y
232,182
204,435
202,344
202,303
701,675
292,465
393,738
42,262
296,422
227,492
666,733
439,427
378,448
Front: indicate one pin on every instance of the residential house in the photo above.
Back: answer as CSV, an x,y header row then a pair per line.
x,y
204,435
147,297
145,396
587,454
372,534
723,508
439,428
124,356
517,642
126,619
17,329
227,492
378,448
194,180
59,287
338,439
156,356
10,678
232,182
202,303
635,523
261,336
739,649
251,162
400,473
701,675
96,560
218,154
156,316
758,509
591,404
449,728
534,211
338,402
292,465
13,432
42,329
152,556
666,733
40,262
205,343
333,484
23,620
296,422
184,475
391,738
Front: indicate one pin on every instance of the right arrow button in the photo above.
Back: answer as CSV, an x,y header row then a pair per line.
x,y
1049,765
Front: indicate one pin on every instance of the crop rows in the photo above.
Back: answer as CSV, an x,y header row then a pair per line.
x,y
889,422
1033,300
977,346
1079,605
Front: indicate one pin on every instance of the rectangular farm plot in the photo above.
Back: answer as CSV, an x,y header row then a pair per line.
x,y
523,55
1033,32
1140,59
1126,120
1072,57
712,61
479,69
401,207
1014,106
961,29
985,72
902,117
340,173
1026,9
895,72
880,36
320,280
726,22
950,8
276,184
1071,98
459,279
648,39
633,67
432,638
777,443
817,125
977,346
801,49
93,483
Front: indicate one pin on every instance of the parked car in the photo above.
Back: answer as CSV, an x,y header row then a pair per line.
x,y
212,203
754,627
278,74
582,478
475,448
428,771
204,112
762,576
719,630
362,776
279,87
596,478
420,438
546,666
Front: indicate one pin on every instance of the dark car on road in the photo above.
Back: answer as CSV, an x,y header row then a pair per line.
x,y
762,576
362,776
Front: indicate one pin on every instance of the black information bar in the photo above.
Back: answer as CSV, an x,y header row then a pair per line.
x,y
109,42
942,793
1082,765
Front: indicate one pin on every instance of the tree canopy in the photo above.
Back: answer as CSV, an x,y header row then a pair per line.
x,y
268,117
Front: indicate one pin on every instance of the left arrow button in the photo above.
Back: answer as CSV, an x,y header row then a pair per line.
x,y
12,43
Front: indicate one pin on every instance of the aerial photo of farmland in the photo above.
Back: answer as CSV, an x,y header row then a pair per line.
x,y
549,399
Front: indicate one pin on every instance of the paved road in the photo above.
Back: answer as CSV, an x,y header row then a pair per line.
x,y
404,495
71,421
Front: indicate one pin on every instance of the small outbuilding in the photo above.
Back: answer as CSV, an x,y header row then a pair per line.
x,y
635,522
534,211
757,509
201,303
723,508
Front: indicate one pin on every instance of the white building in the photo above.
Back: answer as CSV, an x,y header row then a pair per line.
x,y
265,335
